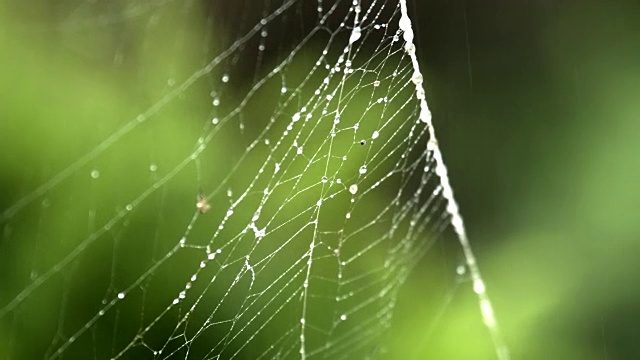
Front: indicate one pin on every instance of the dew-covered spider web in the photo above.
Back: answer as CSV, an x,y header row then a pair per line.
x,y
270,182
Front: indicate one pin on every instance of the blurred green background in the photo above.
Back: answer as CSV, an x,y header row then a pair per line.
x,y
535,104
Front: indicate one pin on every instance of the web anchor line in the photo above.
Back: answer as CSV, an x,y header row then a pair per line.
x,y
486,307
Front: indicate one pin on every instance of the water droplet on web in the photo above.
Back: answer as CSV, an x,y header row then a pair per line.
x,y
95,174
461,270
343,317
225,78
356,33
129,207
215,121
353,189
375,134
216,102
283,90
363,170
299,152
417,78
121,295
229,212
376,83
348,216
277,168
153,167
478,287
296,117
324,179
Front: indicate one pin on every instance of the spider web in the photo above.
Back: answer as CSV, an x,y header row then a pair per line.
x,y
267,198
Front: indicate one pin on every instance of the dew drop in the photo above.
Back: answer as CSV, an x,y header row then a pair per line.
x,y
356,33
121,295
353,189
343,317
363,170
375,134
95,174
324,180
153,167
478,287
225,78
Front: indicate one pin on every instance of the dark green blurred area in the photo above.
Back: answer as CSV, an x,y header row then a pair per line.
x,y
539,121
537,110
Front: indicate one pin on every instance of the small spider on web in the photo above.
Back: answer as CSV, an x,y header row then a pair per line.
x,y
201,204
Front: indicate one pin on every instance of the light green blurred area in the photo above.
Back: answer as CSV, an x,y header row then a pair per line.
x,y
559,252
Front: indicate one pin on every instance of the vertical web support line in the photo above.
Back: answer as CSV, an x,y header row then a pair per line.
x,y
479,288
